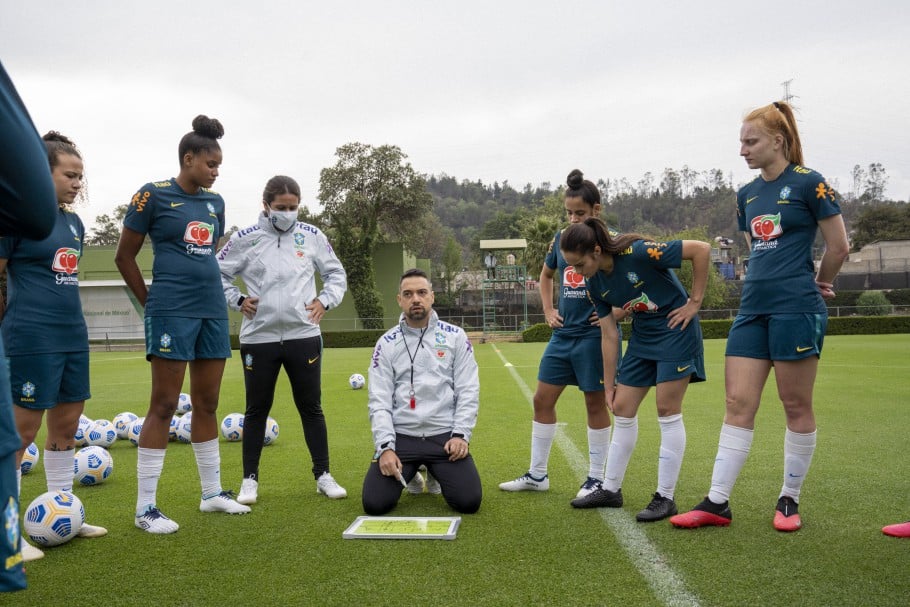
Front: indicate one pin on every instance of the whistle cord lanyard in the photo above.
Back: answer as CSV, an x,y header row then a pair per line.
x,y
413,402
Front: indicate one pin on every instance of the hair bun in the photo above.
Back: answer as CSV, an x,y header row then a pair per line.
x,y
56,136
207,127
575,179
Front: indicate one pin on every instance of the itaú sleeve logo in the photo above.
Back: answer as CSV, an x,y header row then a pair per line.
x,y
66,260
766,227
571,278
198,233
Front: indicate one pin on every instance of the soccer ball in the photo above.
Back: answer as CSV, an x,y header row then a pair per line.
x,y
232,427
102,434
184,404
54,518
135,430
85,424
356,380
185,428
271,431
174,428
92,465
30,458
122,423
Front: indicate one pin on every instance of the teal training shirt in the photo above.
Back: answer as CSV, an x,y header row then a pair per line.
x,y
782,218
573,303
184,229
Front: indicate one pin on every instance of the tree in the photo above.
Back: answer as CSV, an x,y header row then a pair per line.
x,y
881,222
371,195
107,232
875,183
451,262
716,291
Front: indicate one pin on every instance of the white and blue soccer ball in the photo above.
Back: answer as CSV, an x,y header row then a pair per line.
x,y
85,424
135,430
30,458
356,381
122,423
53,518
174,428
92,465
185,428
184,404
271,431
101,434
232,427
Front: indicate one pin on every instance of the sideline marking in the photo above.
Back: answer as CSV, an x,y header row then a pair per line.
x,y
667,585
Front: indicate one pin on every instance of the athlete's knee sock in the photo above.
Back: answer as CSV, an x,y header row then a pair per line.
x,y
19,486
672,449
149,464
541,442
798,450
625,435
208,462
58,469
598,447
732,451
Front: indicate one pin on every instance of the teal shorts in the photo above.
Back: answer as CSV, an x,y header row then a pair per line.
x,y
573,361
179,338
777,336
645,372
40,381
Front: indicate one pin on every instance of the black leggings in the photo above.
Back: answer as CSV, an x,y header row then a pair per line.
x,y
302,361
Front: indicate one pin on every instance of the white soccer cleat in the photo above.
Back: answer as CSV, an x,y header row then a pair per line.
x,y
154,522
327,486
415,487
526,482
433,485
223,502
31,553
590,485
92,531
249,491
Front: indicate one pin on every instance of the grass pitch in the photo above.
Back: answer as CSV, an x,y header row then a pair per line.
x,y
519,549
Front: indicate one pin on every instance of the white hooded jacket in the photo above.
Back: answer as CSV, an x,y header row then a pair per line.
x,y
280,269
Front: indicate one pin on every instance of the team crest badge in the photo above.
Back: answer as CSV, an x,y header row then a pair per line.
x,y
633,277
74,231
28,389
11,524
209,206
248,360
165,340
440,338
785,192
299,239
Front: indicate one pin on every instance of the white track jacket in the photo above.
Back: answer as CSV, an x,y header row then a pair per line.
x,y
280,269
446,383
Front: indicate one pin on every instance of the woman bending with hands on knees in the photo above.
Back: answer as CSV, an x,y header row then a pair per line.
x,y
782,317
186,320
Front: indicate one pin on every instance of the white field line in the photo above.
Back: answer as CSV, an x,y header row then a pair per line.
x,y
667,585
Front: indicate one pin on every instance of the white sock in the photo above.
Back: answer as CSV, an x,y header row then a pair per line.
x,y
598,447
625,435
58,469
672,449
732,451
208,462
798,450
19,486
149,464
541,441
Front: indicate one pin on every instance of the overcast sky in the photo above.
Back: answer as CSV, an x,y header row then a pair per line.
x,y
522,91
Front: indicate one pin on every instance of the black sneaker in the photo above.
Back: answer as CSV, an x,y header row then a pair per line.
x,y
660,508
599,498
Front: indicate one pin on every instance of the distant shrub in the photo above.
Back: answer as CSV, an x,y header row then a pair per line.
x,y
873,303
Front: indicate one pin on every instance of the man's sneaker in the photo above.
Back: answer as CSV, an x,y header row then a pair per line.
x,y
588,486
415,487
92,531
526,482
660,508
31,553
599,498
249,491
433,485
706,514
896,530
223,502
327,486
154,522
786,518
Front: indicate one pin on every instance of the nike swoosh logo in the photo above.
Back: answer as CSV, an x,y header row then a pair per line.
x,y
312,360
681,369
604,294
804,349
174,205
748,200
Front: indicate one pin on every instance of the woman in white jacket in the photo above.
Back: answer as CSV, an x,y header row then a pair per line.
x,y
278,259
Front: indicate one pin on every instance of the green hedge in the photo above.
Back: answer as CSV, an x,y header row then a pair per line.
x,y
718,329
897,297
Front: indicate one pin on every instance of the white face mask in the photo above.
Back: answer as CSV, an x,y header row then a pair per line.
x,y
283,220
